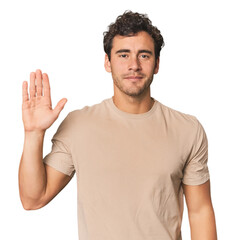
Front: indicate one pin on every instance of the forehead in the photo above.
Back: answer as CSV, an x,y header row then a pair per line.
x,y
141,40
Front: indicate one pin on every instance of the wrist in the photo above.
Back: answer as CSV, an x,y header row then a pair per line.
x,y
35,133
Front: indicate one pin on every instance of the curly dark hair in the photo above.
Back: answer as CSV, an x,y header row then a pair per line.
x,y
128,24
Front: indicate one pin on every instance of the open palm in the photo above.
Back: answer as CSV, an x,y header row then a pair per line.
x,y
37,112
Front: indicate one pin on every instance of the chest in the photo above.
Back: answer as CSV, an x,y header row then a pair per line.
x,y
127,156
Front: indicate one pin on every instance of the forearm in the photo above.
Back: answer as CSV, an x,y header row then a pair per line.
x,y
32,175
203,225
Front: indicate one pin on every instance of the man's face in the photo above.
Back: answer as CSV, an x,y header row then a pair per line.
x,y
132,63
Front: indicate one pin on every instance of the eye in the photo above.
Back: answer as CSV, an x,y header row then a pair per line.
x,y
144,56
123,55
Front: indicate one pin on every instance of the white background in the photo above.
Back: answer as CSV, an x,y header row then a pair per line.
x,y
65,40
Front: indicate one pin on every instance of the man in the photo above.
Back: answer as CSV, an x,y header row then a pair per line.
x,y
134,157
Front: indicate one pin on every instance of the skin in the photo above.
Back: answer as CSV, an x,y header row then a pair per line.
x,y
200,211
38,183
132,72
132,57
134,97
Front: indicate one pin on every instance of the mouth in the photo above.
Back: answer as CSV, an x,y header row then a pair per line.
x,y
134,78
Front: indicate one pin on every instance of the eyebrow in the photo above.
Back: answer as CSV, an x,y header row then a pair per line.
x,y
140,51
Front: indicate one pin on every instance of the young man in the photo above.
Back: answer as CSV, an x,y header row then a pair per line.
x,y
134,157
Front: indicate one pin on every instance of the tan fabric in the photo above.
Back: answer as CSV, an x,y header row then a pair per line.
x,y
129,169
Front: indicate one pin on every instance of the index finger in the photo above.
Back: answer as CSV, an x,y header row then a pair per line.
x,y
46,86
25,95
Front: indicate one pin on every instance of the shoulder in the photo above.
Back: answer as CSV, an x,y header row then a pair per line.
x,y
88,110
86,116
181,124
178,117
79,119
185,128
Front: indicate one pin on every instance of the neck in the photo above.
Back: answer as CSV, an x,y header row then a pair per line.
x,y
133,105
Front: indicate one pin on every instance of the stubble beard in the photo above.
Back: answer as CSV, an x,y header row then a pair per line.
x,y
134,91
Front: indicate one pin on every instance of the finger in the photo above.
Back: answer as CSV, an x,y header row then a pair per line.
x,y
32,84
46,86
60,105
39,82
25,95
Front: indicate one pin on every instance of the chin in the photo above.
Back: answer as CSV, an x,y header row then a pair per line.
x,y
134,93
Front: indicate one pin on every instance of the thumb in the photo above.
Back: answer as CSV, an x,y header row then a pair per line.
x,y
60,105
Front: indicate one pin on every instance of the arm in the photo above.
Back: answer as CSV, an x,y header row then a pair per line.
x,y
38,183
200,211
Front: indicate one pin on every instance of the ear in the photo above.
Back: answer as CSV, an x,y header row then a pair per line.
x,y
157,66
107,64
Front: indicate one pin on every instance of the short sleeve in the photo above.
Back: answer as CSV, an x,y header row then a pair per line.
x,y
196,169
60,156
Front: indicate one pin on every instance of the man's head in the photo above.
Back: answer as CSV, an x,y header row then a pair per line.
x,y
129,24
132,47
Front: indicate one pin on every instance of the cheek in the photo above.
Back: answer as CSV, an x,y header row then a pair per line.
x,y
151,68
118,67
148,68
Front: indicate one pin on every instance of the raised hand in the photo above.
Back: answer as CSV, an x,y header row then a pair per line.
x,y
37,112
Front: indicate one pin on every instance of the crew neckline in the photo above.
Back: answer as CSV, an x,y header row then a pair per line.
x,y
132,115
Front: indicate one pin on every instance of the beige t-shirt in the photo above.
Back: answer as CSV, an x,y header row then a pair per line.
x,y
130,168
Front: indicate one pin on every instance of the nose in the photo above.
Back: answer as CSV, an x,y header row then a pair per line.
x,y
134,64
